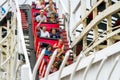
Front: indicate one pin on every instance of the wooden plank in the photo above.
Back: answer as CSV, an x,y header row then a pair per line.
x,y
95,28
110,10
102,46
109,24
116,37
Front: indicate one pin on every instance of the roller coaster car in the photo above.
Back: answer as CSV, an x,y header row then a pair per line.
x,y
40,42
47,25
49,41
46,3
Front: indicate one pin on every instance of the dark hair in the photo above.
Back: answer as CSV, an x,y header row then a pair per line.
x,y
53,29
49,47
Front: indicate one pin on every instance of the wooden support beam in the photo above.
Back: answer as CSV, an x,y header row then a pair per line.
x,y
102,46
87,14
109,11
8,51
109,24
0,33
85,37
109,27
83,7
95,28
102,40
117,37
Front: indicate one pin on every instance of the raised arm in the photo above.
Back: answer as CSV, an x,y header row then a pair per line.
x,y
55,46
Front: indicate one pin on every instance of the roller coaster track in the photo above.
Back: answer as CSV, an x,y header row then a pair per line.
x,y
12,45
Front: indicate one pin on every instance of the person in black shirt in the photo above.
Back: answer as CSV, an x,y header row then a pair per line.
x,y
54,34
52,18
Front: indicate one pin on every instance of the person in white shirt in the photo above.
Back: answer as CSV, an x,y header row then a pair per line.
x,y
41,18
44,33
50,8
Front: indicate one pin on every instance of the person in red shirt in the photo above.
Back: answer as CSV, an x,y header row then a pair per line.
x,y
60,47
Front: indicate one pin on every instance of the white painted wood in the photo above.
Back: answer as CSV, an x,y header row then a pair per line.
x,y
112,50
100,67
112,9
63,63
14,44
98,3
75,66
87,68
113,66
38,64
64,7
76,8
50,64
